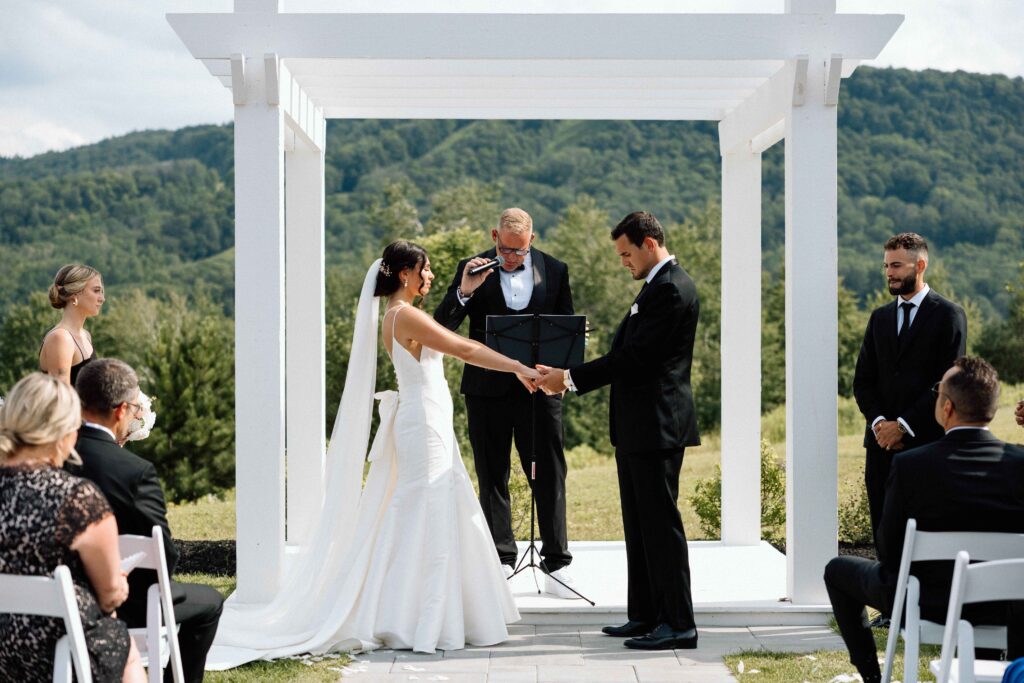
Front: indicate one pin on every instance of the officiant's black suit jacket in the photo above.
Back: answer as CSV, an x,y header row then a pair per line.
x,y
551,296
895,380
648,367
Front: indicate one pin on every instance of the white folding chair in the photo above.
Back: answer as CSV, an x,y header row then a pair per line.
x,y
919,546
982,582
157,644
54,596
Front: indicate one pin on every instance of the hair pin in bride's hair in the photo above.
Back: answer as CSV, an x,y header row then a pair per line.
x,y
384,269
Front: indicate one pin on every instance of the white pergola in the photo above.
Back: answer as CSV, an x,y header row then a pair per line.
x,y
763,77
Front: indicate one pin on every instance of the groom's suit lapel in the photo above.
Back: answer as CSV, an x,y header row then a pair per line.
x,y
662,274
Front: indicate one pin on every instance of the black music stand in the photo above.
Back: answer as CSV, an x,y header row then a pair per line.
x,y
553,340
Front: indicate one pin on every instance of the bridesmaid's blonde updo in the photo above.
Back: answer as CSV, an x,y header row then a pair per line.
x,y
40,410
68,282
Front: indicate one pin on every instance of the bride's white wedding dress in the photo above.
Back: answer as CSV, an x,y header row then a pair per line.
x,y
412,564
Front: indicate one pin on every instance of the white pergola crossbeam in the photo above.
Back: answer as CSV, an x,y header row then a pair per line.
x,y
760,112
534,36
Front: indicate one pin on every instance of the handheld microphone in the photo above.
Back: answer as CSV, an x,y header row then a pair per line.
x,y
497,262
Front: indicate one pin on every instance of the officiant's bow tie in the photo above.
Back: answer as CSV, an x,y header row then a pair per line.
x,y
522,266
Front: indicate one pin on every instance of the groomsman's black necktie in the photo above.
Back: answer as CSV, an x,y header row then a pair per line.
x,y
907,307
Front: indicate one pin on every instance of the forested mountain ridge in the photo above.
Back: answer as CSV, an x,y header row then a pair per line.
x,y
939,153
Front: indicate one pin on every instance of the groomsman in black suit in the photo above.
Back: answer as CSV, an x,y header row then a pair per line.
x,y
109,390
498,407
652,421
908,344
967,480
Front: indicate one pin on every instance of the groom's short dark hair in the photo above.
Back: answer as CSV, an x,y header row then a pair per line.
x,y
638,225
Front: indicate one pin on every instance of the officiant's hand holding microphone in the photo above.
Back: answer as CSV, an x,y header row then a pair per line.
x,y
476,271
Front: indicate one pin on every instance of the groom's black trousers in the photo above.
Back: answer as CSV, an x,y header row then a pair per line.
x,y
656,555
493,423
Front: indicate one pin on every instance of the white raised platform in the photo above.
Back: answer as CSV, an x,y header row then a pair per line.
x,y
732,586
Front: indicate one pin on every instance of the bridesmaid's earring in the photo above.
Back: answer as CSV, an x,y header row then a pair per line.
x,y
75,302
405,283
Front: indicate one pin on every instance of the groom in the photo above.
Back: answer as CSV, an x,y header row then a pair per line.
x,y
652,421
498,408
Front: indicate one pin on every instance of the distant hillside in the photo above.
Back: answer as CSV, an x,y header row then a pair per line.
x,y
939,153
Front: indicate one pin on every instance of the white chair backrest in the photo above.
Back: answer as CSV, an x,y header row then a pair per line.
x,y
922,546
982,582
154,558
47,596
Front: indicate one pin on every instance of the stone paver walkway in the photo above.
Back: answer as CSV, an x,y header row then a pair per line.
x,y
542,654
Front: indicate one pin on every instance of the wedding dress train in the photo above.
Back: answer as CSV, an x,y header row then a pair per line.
x,y
410,565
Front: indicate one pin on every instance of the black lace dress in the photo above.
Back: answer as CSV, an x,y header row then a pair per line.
x,y
42,511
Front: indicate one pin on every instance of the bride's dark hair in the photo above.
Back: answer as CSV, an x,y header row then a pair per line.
x,y
397,257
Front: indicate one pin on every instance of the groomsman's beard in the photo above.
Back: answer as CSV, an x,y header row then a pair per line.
x,y
905,286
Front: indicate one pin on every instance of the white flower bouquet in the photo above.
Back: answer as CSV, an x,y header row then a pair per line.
x,y
141,426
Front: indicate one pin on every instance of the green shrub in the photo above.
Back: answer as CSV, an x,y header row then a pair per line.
x,y
854,515
707,498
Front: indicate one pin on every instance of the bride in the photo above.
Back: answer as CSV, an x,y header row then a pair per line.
x,y
408,561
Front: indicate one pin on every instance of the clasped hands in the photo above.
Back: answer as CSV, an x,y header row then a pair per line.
x,y
888,435
549,380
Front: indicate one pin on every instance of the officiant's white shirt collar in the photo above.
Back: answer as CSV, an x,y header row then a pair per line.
x,y
656,268
86,423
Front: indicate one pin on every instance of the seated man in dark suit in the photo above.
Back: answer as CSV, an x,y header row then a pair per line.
x,y
109,390
968,480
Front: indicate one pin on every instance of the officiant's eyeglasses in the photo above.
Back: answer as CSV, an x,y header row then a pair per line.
x,y
508,251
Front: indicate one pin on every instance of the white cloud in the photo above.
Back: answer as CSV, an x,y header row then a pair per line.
x,y
23,134
76,71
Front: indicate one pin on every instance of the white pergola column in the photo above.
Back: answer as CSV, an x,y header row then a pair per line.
x,y
741,347
259,334
306,345
811,335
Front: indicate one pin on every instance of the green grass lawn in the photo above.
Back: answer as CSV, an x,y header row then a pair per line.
x,y
787,667
594,514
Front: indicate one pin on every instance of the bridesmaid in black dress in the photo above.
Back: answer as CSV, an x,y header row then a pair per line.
x,y
78,291
48,518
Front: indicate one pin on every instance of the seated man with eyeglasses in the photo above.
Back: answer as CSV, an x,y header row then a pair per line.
x,y
497,405
968,480
109,390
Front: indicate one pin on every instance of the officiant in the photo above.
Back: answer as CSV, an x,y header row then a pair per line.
x,y
498,405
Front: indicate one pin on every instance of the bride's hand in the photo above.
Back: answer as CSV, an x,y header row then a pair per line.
x,y
527,376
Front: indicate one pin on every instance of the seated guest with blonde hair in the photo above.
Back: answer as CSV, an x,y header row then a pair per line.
x,y
49,518
109,390
78,292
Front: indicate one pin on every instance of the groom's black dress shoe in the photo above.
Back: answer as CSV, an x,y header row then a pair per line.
x,y
665,638
630,629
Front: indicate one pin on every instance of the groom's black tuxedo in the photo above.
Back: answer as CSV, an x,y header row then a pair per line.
x,y
498,409
133,490
651,421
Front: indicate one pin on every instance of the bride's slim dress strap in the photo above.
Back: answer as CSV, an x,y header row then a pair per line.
x,y
394,311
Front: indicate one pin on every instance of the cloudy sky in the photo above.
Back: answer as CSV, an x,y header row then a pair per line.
x,y
77,71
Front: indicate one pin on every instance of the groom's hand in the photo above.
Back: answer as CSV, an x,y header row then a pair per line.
x,y
550,380
469,282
